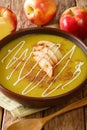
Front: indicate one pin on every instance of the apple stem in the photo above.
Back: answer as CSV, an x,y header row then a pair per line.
x,y
8,6
72,12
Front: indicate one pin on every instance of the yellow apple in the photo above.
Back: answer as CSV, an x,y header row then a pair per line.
x,y
8,22
40,12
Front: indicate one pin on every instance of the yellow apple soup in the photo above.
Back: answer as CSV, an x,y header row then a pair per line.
x,y
20,73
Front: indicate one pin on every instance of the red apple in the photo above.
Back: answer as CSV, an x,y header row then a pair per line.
x,y
74,20
8,22
40,12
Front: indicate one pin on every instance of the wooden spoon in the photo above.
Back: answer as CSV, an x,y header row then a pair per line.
x,y
38,123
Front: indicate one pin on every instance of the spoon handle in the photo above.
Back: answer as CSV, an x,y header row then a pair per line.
x,y
75,105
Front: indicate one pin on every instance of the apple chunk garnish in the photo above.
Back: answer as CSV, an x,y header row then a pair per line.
x,y
8,22
47,54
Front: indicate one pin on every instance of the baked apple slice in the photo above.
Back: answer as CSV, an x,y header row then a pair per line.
x,y
47,54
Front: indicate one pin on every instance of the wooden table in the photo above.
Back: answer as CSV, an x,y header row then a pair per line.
x,y
74,120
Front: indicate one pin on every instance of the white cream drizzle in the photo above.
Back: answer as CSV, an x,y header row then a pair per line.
x,y
26,58
24,55
75,74
77,71
27,90
19,46
67,62
20,73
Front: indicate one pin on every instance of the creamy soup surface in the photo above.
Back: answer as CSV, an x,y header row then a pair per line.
x,y
20,73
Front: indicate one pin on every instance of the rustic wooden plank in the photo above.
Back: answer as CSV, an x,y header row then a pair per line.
x,y
61,6
5,3
71,120
82,3
1,113
22,20
67,121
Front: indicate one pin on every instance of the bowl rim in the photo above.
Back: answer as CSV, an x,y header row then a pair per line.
x,y
41,30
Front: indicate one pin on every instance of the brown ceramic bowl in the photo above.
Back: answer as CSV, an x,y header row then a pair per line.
x,y
43,101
